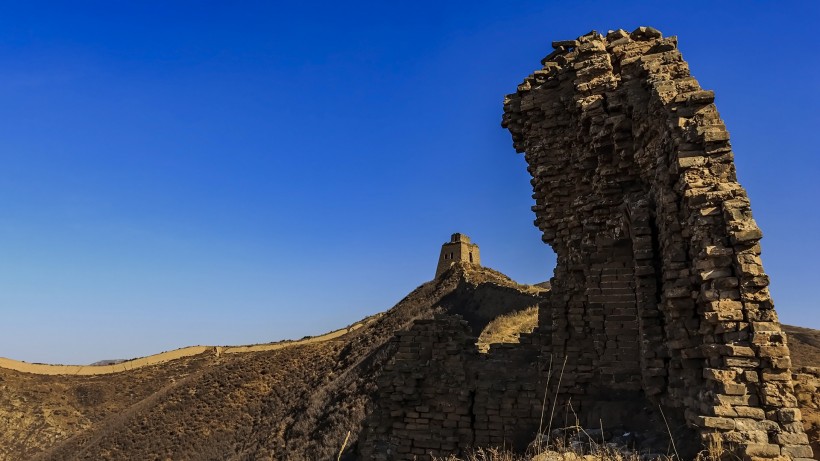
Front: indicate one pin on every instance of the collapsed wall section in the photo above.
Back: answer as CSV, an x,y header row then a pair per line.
x,y
659,290
439,396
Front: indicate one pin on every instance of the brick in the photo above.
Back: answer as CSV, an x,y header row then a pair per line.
x,y
763,450
798,451
786,438
712,422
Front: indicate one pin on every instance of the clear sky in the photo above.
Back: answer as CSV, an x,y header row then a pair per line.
x,y
179,173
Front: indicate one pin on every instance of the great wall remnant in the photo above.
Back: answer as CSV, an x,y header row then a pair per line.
x,y
659,302
439,395
167,356
458,249
659,288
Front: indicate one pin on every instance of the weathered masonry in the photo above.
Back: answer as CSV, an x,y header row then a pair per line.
x,y
659,289
458,249
659,308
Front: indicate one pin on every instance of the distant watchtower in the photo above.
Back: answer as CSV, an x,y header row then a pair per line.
x,y
458,249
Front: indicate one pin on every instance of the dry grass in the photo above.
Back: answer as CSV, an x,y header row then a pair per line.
x,y
508,328
485,454
591,451
597,452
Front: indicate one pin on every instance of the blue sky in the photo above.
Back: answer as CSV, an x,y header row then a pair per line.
x,y
179,173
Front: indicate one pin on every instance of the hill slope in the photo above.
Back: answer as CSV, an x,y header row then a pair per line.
x,y
804,345
296,402
293,403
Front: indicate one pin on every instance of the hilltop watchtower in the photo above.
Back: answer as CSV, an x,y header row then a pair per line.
x,y
458,249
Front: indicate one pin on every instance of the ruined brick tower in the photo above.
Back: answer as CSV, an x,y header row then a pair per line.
x,y
458,249
659,291
659,313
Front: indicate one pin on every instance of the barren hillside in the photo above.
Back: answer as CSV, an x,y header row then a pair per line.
x,y
293,403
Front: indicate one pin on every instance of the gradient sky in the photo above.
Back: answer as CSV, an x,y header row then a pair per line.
x,y
179,173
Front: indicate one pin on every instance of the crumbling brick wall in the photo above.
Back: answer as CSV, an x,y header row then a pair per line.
x,y
440,396
424,404
659,288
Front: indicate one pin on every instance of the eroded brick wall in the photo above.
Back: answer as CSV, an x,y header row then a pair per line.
x,y
659,287
440,396
659,301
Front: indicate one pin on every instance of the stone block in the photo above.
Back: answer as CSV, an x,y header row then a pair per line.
x,y
787,438
776,376
712,422
797,451
741,362
746,236
719,374
762,450
750,412
733,388
715,274
779,363
734,350
789,415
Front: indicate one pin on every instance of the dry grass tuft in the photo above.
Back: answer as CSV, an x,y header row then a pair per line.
x,y
560,450
507,328
597,453
485,454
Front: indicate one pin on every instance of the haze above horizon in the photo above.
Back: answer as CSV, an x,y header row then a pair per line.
x,y
187,173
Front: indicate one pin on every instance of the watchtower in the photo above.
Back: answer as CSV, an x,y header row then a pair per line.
x,y
458,249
